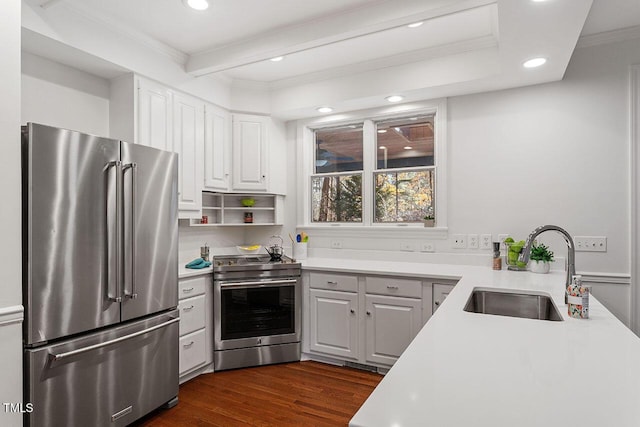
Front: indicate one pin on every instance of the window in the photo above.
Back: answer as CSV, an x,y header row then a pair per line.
x,y
375,169
403,195
336,186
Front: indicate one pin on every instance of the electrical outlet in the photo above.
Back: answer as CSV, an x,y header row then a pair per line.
x,y
407,247
590,243
472,241
336,244
428,247
501,238
486,241
459,241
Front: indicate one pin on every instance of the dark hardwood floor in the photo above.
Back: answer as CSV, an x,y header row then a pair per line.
x,y
292,394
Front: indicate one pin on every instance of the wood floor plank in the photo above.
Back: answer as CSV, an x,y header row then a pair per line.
x,y
291,394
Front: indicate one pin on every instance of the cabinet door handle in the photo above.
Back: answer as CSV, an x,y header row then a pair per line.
x,y
368,313
188,345
331,283
391,287
437,303
187,290
188,308
352,311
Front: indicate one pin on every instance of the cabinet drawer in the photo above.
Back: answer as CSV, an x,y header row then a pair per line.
x,y
192,351
336,282
192,286
191,314
394,286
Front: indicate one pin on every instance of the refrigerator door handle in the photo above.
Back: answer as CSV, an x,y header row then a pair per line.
x,y
116,296
60,356
132,235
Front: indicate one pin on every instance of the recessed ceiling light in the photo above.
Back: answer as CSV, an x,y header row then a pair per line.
x,y
407,147
382,147
534,62
324,109
415,24
413,118
394,98
277,59
382,131
197,4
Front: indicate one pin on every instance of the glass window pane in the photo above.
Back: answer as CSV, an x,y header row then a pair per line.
x,y
404,196
338,149
336,198
405,143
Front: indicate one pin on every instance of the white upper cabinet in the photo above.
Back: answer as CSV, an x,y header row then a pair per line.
x,y
250,150
188,142
217,148
155,122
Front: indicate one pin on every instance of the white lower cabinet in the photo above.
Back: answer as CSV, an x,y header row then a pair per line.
x,y
192,351
391,324
440,292
195,324
334,323
367,319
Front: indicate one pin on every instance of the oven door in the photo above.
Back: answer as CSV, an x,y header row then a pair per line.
x,y
253,313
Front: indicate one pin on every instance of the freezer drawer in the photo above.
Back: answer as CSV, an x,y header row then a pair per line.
x,y
110,378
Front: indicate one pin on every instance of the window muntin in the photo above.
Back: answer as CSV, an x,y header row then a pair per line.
x,y
403,196
336,198
405,143
338,149
336,186
422,161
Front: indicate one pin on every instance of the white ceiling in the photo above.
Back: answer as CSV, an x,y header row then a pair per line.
x,y
464,46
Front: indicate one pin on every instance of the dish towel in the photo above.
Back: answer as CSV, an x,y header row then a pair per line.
x,y
198,263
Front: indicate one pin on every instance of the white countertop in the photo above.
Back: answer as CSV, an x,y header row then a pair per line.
x,y
190,272
467,369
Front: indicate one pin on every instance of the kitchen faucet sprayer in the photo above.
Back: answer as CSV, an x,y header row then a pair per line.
x,y
571,256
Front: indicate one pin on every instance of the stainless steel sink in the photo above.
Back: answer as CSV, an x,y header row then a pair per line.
x,y
513,304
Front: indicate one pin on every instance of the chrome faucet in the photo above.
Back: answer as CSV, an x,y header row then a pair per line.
x,y
571,257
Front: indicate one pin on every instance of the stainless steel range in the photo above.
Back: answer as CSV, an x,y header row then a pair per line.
x,y
256,311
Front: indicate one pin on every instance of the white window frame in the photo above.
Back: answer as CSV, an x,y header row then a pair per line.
x,y
305,160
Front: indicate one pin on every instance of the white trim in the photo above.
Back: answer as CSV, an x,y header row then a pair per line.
x,y
11,315
608,278
305,155
619,35
634,135
407,231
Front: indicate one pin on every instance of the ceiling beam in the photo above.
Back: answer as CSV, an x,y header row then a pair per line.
x,y
359,22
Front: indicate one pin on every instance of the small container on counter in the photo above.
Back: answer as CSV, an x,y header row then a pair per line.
x,y
578,298
248,217
204,252
497,261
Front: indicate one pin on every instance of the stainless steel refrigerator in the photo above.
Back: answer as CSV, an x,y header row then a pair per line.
x,y
100,244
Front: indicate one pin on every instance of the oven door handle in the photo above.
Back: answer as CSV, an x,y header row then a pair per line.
x,y
257,284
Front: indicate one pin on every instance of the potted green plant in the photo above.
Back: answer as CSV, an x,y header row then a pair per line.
x,y
540,258
429,221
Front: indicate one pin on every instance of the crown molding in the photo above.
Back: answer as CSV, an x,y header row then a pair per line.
x,y
606,37
113,25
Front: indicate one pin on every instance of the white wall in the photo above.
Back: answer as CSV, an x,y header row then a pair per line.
x,y
10,214
57,95
554,153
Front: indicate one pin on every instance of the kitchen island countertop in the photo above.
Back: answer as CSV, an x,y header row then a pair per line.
x,y
467,369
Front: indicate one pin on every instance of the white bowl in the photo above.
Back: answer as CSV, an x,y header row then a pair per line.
x,y
249,249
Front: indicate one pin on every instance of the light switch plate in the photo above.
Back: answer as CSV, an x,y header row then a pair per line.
x,y
459,241
590,243
486,241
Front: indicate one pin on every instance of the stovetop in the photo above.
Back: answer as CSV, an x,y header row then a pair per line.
x,y
249,260
236,267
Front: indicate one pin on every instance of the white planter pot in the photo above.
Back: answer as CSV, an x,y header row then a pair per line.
x,y
541,267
